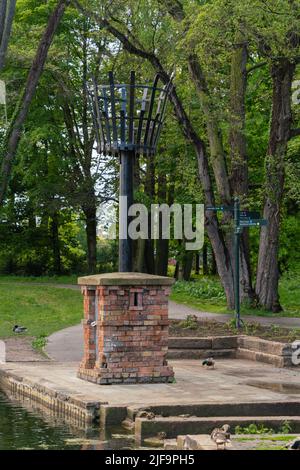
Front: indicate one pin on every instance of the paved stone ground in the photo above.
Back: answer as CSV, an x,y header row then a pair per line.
x,y
229,382
19,349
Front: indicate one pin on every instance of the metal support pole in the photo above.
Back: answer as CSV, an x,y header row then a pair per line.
x,y
237,232
126,189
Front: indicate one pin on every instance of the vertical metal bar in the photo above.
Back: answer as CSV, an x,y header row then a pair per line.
x,y
98,117
123,116
131,107
96,329
237,261
150,109
126,189
141,119
105,114
113,109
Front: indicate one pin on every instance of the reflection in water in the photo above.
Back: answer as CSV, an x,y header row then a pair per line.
x,y
279,387
23,427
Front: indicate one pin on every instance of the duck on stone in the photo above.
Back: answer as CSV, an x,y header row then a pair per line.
x,y
209,363
221,436
295,445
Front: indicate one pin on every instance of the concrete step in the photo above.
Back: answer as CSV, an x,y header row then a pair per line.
x,y
208,410
175,426
200,353
196,342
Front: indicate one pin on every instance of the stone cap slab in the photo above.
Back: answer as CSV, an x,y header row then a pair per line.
x,y
125,279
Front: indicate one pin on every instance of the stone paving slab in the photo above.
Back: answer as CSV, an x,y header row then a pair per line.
x,y
229,382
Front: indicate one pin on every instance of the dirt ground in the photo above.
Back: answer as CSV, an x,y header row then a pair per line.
x,y
19,349
196,327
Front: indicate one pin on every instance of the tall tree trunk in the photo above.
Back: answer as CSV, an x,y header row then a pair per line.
x,y
282,73
197,263
217,154
7,13
13,135
162,246
54,226
238,151
187,264
213,265
91,237
204,260
150,191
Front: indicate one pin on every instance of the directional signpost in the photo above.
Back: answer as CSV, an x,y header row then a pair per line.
x,y
242,219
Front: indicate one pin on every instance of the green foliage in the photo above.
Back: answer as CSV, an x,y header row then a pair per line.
x,y
286,428
190,323
206,288
40,342
253,429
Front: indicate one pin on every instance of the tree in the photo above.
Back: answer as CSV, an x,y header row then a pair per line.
x,y
14,131
7,11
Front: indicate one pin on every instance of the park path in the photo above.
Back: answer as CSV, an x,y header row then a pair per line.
x,y
180,311
67,344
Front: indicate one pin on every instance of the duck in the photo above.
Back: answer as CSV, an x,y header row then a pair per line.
x,y
221,436
19,329
294,445
145,414
209,363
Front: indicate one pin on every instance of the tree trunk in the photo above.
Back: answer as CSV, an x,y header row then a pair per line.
x,y
13,135
267,271
150,192
54,226
91,237
7,13
213,265
187,263
197,264
217,154
238,152
162,246
204,260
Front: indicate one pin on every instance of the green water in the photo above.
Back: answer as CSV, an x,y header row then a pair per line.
x,y
22,427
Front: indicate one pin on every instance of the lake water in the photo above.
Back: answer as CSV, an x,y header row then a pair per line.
x,y
21,427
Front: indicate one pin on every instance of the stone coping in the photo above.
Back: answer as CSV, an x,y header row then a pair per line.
x,y
125,279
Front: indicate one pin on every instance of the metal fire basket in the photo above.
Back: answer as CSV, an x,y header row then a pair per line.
x,y
128,119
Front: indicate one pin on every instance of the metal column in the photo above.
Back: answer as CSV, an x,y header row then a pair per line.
x,y
126,189
237,234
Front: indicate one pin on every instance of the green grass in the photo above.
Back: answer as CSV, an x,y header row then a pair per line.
x,y
206,294
40,279
46,309
42,310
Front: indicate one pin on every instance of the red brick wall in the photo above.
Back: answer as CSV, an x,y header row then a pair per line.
x,y
132,332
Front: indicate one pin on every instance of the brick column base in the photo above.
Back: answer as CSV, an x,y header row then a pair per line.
x,y
131,312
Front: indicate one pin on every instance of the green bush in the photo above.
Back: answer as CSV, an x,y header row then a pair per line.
x,y
205,288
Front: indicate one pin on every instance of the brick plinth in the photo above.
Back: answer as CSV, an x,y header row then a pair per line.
x,y
125,329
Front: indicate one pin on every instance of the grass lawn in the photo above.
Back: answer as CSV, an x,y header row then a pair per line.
x,y
42,279
46,309
206,294
42,310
